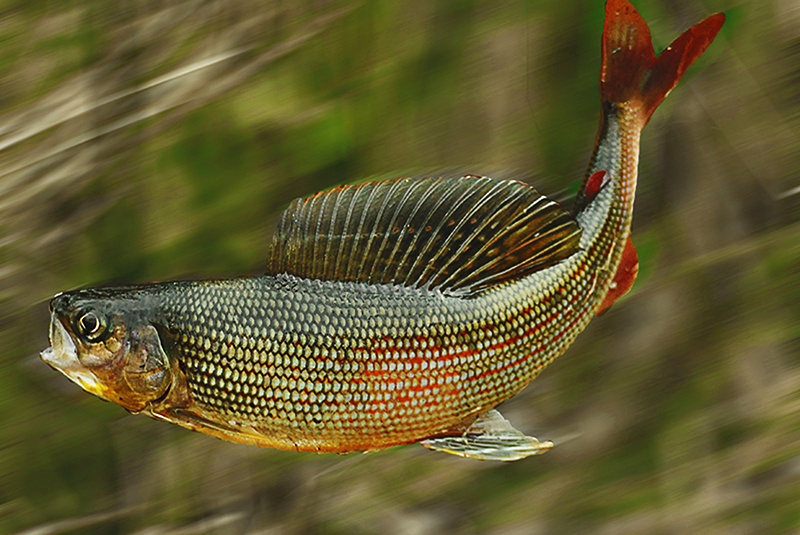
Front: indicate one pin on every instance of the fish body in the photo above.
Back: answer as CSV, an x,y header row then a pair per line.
x,y
392,312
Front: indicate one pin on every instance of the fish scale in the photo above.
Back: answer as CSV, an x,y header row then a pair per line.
x,y
391,312
439,357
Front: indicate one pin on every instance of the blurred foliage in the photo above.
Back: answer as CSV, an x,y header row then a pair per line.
x,y
145,141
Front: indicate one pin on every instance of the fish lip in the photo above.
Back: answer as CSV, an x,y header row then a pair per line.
x,y
62,355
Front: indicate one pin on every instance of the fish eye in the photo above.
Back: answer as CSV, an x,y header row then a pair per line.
x,y
91,325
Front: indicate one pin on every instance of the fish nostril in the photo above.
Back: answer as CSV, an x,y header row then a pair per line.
x,y
59,303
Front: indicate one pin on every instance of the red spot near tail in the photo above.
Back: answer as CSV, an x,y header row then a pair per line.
x,y
624,278
593,185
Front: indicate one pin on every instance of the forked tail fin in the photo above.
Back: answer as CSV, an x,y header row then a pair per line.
x,y
630,72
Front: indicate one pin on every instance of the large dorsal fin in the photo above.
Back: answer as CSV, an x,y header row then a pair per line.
x,y
453,234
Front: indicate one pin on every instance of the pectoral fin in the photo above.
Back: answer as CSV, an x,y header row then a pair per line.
x,y
490,438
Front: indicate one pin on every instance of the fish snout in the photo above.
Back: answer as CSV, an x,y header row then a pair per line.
x,y
62,355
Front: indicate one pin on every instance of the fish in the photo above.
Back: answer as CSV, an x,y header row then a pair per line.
x,y
394,312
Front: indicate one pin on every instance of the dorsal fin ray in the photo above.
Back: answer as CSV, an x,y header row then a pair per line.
x,y
457,235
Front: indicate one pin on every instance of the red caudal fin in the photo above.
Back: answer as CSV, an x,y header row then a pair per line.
x,y
630,72
624,278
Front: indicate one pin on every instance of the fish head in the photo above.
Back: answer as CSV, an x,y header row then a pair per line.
x,y
104,342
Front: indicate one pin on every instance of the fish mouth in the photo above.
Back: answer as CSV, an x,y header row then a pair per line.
x,y
63,356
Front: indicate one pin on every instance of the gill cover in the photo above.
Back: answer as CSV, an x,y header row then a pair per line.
x,y
147,370
114,355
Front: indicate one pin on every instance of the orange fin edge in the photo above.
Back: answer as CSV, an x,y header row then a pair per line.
x,y
624,278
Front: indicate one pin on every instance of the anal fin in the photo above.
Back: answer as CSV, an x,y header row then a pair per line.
x,y
624,278
490,438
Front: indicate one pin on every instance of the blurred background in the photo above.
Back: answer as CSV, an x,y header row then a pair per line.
x,y
148,140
